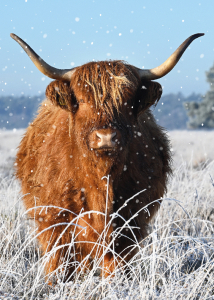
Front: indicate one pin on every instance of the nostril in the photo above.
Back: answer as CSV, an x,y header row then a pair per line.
x,y
99,136
113,135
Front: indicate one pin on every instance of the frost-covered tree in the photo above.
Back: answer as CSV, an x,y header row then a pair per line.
x,y
201,114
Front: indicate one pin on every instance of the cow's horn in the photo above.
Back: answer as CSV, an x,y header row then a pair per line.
x,y
169,64
46,69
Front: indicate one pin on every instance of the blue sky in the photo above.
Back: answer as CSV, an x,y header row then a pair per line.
x,y
68,33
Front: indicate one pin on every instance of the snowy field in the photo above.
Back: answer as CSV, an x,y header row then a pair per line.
x,y
175,262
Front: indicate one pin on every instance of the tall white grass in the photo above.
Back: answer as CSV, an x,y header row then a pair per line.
x,y
175,261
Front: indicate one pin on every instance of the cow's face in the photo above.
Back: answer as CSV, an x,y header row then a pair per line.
x,y
103,132
104,100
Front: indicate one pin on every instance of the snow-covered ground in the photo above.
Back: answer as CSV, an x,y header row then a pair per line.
x,y
9,141
195,146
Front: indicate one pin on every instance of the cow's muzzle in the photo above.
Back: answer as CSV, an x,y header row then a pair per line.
x,y
105,139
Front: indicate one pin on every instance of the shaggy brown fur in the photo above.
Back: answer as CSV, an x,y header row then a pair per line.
x,y
58,167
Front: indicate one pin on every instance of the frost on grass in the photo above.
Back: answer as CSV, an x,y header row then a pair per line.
x,y
174,261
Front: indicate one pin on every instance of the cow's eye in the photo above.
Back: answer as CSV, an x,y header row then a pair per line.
x,y
61,101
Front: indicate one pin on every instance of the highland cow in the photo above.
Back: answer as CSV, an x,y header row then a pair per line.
x,y
93,145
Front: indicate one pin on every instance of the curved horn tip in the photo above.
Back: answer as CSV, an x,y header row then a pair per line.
x,y
197,35
13,35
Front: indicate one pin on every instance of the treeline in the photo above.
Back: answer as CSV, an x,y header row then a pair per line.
x,y
18,112
171,111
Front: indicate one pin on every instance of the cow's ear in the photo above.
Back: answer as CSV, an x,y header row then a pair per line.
x,y
60,94
148,94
